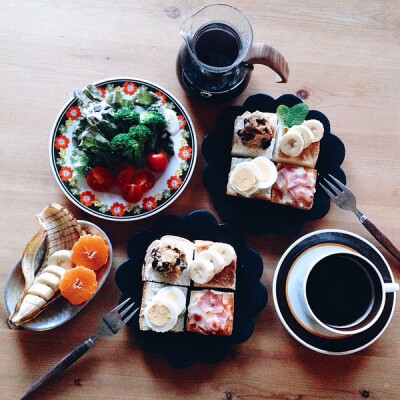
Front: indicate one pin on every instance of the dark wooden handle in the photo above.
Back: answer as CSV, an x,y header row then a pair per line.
x,y
382,239
261,53
62,365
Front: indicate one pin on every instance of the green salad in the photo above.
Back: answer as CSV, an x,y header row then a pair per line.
x,y
115,129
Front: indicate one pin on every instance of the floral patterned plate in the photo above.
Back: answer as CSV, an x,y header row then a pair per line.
x,y
110,205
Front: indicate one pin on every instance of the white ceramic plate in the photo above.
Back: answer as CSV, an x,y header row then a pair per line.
x,y
110,205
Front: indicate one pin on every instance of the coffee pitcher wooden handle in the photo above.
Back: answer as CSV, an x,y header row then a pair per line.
x,y
261,53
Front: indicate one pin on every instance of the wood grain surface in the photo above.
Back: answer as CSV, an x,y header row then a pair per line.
x,y
344,60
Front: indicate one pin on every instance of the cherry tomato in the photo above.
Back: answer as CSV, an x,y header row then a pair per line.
x,y
99,179
124,174
145,179
157,162
132,192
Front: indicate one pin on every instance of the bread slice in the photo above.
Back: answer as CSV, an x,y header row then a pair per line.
x,y
295,186
178,275
207,320
149,291
261,194
226,279
308,157
254,134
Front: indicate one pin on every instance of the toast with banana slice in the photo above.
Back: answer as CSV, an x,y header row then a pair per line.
x,y
307,158
224,259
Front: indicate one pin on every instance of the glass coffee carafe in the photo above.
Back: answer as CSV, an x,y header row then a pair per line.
x,y
216,60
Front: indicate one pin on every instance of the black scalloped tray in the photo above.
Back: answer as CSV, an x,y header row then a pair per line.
x,y
256,216
183,349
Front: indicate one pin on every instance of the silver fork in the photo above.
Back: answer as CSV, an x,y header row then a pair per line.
x,y
345,199
110,324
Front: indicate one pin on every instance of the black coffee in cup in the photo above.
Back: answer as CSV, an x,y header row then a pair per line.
x,y
339,290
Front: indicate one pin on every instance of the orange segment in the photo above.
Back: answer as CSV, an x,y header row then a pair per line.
x,y
91,251
78,284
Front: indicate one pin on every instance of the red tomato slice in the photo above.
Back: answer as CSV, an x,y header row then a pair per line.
x,y
157,162
145,179
99,179
124,174
132,192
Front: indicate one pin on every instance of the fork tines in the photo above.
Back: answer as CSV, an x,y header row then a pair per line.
x,y
334,190
125,310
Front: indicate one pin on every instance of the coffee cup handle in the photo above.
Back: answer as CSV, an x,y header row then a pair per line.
x,y
391,287
261,53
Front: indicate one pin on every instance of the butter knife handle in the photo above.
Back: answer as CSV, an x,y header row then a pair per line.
x,y
382,239
61,366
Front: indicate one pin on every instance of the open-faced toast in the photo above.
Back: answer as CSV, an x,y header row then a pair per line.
x,y
210,312
167,259
254,134
295,186
150,291
226,278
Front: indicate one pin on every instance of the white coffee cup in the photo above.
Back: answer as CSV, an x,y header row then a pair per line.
x,y
344,293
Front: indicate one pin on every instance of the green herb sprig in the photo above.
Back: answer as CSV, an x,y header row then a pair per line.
x,y
290,116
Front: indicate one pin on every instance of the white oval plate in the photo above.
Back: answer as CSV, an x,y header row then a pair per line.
x,y
61,310
110,205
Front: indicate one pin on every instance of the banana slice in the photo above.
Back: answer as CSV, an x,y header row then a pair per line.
x,y
49,279
201,270
41,290
160,316
268,172
225,250
316,127
215,258
244,178
173,295
292,144
305,133
55,270
62,258
34,300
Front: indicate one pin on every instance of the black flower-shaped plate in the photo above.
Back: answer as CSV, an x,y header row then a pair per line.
x,y
183,349
256,216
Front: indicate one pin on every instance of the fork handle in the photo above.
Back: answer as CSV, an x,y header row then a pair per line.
x,y
61,366
381,238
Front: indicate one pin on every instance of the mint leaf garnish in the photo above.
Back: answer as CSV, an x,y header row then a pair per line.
x,y
292,116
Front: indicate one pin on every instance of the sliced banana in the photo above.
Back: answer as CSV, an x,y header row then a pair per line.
x,y
215,258
55,270
225,250
49,279
244,178
316,127
62,258
201,270
160,316
268,171
172,295
35,300
292,144
41,290
305,133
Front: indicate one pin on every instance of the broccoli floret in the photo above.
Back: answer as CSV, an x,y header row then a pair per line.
x,y
145,98
154,120
125,117
143,136
125,146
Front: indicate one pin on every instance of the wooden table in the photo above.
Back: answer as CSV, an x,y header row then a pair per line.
x,y
344,60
